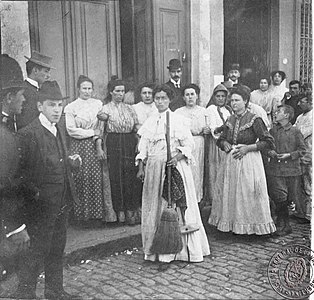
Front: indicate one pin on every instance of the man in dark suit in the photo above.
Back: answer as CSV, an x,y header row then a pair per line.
x,y
292,98
175,73
13,234
233,76
49,192
38,71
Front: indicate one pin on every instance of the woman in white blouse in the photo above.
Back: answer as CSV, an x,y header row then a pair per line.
x,y
146,107
83,127
152,160
217,112
196,116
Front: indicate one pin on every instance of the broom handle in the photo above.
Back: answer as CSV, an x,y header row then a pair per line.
x,y
168,157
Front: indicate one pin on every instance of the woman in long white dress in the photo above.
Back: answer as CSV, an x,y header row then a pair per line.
x,y
277,88
152,160
196,116
217,112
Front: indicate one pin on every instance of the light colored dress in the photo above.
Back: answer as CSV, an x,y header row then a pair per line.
x,y
277,93
144,111
153,152
91,181
263,99
304,122
260,112
215,156
242,204
196,122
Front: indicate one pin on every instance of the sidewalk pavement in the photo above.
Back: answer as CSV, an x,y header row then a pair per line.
x,y
107,263
83,242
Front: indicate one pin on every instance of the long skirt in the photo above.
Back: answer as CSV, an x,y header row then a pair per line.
x,y
195,245
89,184
214,159
242,203
198,168
125,187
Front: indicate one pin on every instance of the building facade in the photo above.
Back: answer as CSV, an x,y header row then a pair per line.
x,y
136,39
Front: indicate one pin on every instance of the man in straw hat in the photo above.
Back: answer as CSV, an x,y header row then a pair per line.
x,y
49,191
13,234
175,73
38,71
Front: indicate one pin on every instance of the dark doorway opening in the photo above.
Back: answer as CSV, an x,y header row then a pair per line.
x,y
247,38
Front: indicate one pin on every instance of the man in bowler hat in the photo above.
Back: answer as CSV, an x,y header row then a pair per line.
x,y
38,69
49,193
175,73
13,233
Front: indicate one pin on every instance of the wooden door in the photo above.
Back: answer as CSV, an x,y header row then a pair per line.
x,y
171,29
247,38
83,37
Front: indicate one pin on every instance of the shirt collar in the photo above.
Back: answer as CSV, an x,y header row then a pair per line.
x,y
33,82
5,114
233,82
239,117
44,121
176,82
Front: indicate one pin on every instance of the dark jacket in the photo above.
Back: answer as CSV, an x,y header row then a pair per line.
x,y
34,165
178,101
293,102
11,204
288,139
30,111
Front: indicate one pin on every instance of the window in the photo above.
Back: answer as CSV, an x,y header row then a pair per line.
x,y
306,42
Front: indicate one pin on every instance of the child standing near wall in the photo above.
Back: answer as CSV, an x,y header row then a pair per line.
x,y
284,168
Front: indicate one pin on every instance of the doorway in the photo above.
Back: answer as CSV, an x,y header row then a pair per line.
x,y
247,38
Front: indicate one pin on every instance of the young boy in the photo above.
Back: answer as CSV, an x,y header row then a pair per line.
x,y
48,192
284,168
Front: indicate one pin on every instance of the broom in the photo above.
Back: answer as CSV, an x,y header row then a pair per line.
x,y
167,239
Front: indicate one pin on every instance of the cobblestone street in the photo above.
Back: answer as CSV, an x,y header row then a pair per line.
x,y
236,269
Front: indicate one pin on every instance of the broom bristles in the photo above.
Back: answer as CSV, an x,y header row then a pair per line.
x,y
167,239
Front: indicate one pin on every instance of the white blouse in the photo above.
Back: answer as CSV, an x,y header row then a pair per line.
x,y
81,117
144,111
214,120
153,140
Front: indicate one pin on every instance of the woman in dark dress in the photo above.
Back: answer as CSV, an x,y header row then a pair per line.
x,y
121,124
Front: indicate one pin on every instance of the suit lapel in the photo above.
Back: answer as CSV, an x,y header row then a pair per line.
x,y
39,133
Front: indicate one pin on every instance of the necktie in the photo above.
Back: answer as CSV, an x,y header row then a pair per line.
x,y
177,85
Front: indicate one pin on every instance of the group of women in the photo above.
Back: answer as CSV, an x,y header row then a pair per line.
x,y
216,151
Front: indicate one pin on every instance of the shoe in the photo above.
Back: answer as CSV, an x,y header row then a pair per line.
x,y
284,231
303,221
130,218
60,295
121,217
163,266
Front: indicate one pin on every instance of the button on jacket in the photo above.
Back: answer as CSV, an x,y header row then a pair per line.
x,y
288,139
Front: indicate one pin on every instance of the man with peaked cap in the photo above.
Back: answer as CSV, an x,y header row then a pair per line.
x,y
38,71
13,234
175,73
49,193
